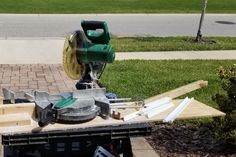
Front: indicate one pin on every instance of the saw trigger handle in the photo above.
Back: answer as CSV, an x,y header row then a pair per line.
x,y
96,31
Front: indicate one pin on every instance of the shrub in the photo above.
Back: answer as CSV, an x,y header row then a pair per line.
x,y
226,99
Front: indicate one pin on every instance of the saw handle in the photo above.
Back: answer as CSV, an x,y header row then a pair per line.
x,y
94,36
93,25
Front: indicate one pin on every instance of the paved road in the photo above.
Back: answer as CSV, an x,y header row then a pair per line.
x,y
33,25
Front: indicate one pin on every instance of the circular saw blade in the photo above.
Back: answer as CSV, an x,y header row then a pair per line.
x,y
72,67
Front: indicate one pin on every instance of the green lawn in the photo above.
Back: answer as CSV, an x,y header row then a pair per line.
x,y
170,44
115,6
141,79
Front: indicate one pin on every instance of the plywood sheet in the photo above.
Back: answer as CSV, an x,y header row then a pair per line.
x,y
194,110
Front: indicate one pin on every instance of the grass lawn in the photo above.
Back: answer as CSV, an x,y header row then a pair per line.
x,y
115,6
170,44
141,79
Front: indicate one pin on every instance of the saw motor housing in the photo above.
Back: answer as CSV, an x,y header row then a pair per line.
x,y
92,51
97,49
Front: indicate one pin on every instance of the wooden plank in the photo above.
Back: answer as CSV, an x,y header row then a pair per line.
x,y
172,94
1,101
180,91
195,110
15,119
18,108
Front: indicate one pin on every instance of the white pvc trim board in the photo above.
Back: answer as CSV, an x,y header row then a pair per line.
x,y
159,109
150,107
178,110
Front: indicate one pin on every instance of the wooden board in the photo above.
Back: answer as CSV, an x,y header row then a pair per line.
x,y
17,108
15,119
194,110
180,91
1,101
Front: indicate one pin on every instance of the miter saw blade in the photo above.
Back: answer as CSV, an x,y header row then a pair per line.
x,y
72,67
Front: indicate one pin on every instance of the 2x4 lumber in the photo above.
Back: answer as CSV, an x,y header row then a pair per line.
x,y
15,119
180,91
17,108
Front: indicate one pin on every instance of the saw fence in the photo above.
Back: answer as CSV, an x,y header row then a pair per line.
x,y
18,125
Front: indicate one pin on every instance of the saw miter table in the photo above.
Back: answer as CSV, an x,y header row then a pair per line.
x,y
75,123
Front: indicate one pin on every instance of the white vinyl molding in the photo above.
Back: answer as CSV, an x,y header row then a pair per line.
x,y
131,116
154,104
159,109
159,101
178,110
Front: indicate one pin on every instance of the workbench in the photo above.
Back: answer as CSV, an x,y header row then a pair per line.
x,y
19,126
25,130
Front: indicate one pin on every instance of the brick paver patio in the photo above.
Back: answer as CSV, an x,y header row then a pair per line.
x,y
51,78
26,77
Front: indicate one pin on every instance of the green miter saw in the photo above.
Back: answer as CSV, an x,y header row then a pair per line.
x,y
86,53
85,56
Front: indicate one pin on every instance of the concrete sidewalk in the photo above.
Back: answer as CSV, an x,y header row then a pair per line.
x,y
176,55
49,51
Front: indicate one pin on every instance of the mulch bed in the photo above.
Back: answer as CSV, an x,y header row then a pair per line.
x,y
185,140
